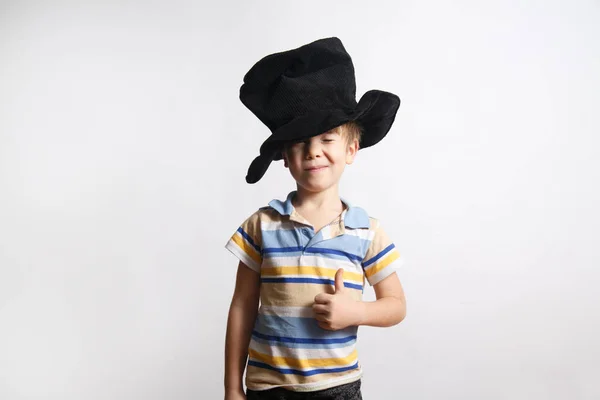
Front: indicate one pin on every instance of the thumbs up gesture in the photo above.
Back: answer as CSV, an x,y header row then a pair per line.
x,y
338,310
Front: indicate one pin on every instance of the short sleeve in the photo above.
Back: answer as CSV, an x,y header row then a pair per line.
x,y
382,257
245,243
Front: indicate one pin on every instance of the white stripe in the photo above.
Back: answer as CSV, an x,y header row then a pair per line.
x,y
313,260
366,234
277,226
326,232
301,312
242,256
384,273
302,353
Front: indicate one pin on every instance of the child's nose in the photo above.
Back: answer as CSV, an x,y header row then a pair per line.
x,y
313,149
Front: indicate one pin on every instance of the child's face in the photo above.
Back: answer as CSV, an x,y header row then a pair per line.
x,y
317,163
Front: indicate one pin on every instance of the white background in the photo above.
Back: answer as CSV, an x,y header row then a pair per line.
x,y
123,152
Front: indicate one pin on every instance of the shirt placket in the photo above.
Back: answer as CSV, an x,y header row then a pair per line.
x,y
305,230
335,230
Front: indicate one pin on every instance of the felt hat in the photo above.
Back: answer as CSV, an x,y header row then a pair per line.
x,y
307,91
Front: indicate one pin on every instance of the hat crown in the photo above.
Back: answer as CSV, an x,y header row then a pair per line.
x,y
315,77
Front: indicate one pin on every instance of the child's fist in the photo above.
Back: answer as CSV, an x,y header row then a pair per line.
x,y
338,310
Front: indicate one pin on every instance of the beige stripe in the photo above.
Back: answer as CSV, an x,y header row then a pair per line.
x,y
284,294
269,216
260,378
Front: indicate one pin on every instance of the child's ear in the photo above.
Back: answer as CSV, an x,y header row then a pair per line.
x,y
351,151
285,161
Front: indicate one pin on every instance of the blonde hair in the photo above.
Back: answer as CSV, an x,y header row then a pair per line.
x,y
351,130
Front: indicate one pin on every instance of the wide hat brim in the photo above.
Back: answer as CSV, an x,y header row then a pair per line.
x,y
375,112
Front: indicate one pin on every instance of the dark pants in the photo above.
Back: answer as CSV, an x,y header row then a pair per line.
x,y
349,391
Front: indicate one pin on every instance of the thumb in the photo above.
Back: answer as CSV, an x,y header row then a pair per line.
x,y
339,280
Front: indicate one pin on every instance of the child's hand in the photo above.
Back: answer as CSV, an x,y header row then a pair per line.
x,y
235,395
338,310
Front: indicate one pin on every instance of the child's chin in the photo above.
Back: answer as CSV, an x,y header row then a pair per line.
x,y
316,186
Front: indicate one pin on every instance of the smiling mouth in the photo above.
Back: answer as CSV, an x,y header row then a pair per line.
x,y
315,169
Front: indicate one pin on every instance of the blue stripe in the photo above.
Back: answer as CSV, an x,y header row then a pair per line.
x,y
248,238
312,250
282,238
286,238
349,244
378,256
282,339
296,343
268,250
291,371
298,327
310,280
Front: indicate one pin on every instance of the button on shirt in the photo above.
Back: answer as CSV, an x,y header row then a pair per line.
x,y
288,348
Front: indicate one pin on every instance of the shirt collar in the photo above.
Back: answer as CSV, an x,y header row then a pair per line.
x,y
353,217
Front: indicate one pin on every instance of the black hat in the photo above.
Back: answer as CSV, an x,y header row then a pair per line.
x,y
307,91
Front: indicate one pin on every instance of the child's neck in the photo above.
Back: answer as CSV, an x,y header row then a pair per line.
x,y
318,208
328,199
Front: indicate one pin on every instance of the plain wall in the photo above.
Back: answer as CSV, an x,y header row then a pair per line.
x,y
123,152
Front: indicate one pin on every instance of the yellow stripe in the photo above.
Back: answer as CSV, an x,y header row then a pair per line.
x,y
318,271
303,363
381,264
247,247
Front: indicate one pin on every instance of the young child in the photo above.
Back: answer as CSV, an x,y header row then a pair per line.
x,y
306,259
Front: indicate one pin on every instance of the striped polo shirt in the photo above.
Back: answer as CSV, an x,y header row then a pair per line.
x,y
288,348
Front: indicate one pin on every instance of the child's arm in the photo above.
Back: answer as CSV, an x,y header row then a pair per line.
x,y
242,313
390,307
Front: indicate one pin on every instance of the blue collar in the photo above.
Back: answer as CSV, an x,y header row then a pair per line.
x,y
354,217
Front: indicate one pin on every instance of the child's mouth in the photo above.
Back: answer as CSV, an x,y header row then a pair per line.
x,y
317,169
